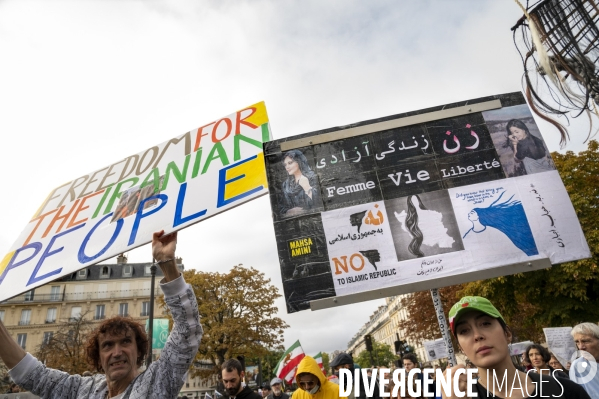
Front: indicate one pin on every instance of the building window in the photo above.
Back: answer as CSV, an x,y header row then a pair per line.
x,y
99,312
2,316
105,272
127,271
82,274
124,309
75,312
51,315
55,293
25,317
145,308
147,270
29,296
22,340
47,337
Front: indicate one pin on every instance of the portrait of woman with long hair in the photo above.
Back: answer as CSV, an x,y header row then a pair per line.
x,y
529,150
300,192
429,222
509,218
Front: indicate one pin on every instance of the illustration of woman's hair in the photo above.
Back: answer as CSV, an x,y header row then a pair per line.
x,y
301,160
509,218
412,225
514,123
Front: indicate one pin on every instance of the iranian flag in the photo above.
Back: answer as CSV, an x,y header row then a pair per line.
x,y
318,359
287,366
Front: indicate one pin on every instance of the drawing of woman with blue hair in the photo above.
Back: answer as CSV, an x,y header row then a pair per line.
x,y
507,217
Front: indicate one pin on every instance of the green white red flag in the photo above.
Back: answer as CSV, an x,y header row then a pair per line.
x,y
318,358
287,366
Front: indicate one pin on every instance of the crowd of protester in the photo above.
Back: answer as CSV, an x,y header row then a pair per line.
x,y
117,348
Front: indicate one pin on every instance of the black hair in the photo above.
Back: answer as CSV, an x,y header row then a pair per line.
x,y
232,364
542,350
412,225
514,123
301,160
411,357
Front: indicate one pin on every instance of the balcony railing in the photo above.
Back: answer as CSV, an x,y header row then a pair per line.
x,y
50,321
124,314
82,296
24,322
144,314
99,317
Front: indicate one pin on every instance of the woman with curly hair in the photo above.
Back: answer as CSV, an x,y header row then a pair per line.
x,y
539,357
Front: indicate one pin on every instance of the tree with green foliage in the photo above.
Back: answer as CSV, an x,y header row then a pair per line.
x,y
268,362
565,294
381,354
238,316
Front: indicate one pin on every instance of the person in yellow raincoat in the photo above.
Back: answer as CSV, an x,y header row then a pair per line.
x,y
312,382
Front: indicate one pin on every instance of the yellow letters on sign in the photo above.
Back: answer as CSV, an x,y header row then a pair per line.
x,y
255,176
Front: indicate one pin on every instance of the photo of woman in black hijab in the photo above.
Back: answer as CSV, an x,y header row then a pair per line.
x,y
300,192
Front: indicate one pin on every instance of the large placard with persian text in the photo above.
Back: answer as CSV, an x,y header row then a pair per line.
x,y
444,197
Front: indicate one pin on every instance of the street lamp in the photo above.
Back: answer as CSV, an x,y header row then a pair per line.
x,y
151,320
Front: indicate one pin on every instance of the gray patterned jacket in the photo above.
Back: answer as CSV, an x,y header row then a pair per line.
x,y
164,377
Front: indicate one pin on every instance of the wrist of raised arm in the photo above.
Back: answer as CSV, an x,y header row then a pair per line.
x,y
169,269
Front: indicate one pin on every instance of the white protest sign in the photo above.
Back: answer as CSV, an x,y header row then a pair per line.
x,y
519,347
560,343
417,201
435,349
112,210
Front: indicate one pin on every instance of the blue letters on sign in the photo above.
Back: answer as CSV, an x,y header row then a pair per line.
x,y
180,199
140,215
37,246
83,258
47,253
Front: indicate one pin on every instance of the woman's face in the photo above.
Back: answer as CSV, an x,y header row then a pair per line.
x,y
536,359
290,166
472,215
517,133
482,339
555,364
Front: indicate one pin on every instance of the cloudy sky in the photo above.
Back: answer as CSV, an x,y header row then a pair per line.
x,y
86,83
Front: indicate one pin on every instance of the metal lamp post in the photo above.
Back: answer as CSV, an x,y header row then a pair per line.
x,y
151,320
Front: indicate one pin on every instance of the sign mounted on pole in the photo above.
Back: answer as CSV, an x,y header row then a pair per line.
x,y
417,201
112,210
436,349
